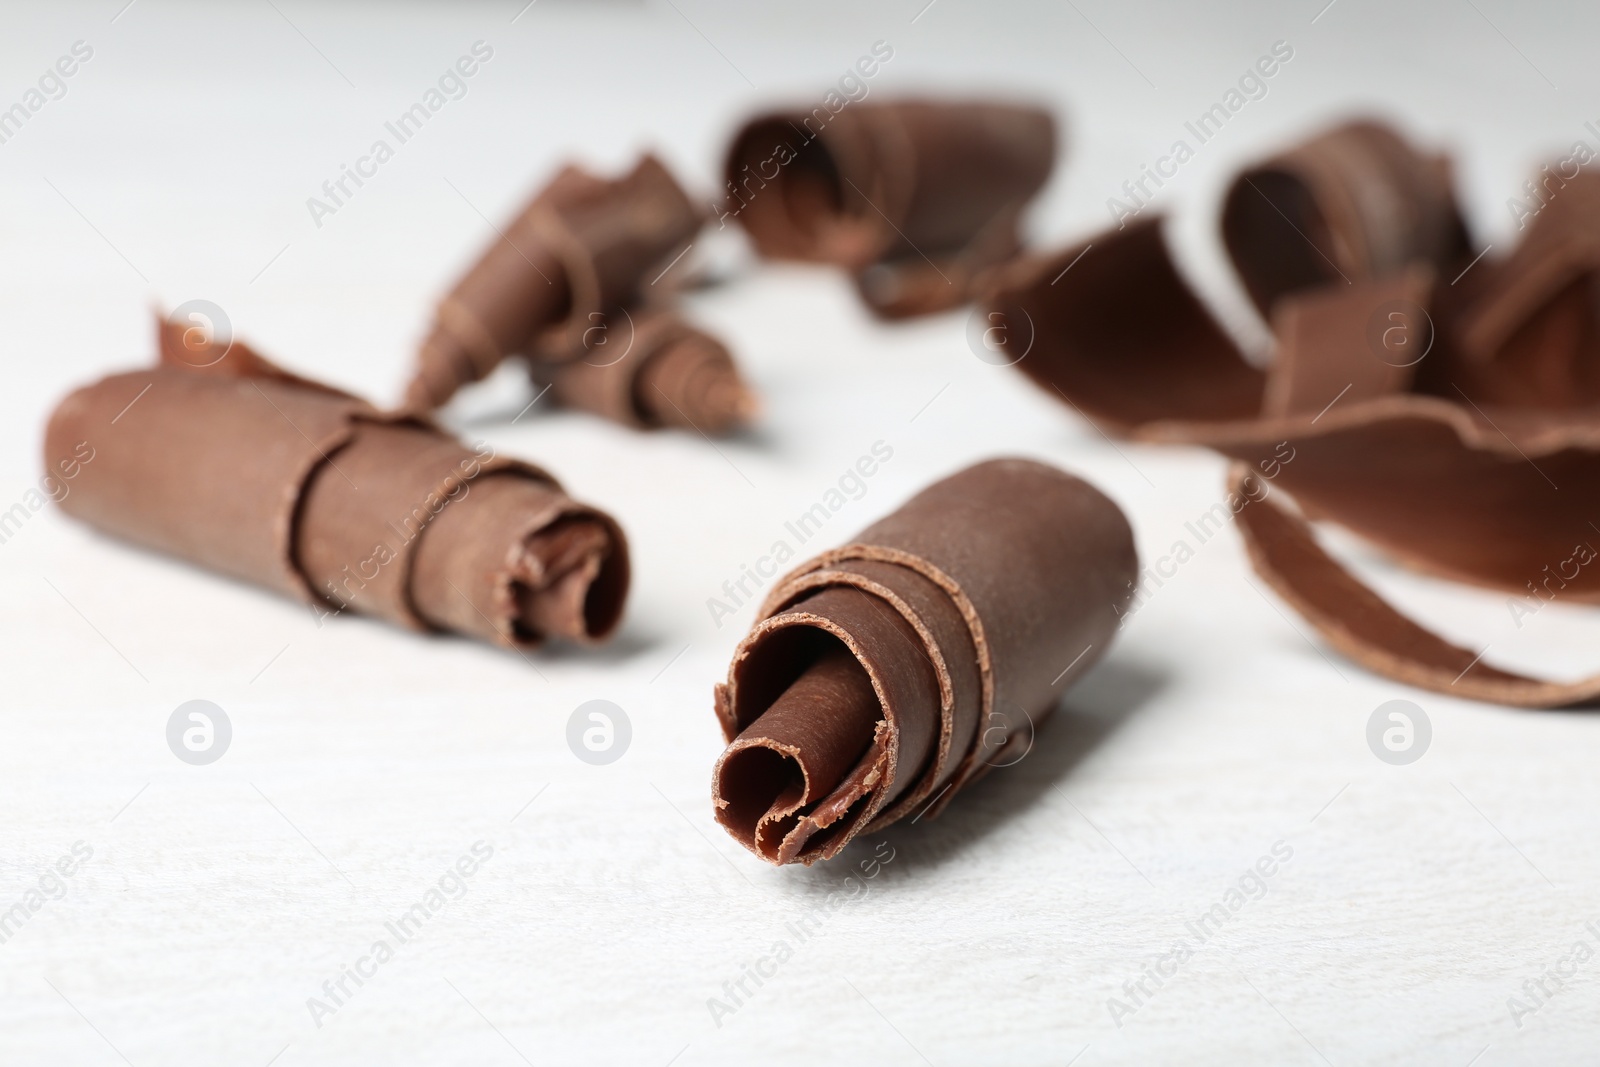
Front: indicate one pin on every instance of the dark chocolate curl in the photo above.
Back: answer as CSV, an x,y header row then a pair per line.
x,y
915,198
584,247
885,675
301,488
1354,204
664,373
1443,408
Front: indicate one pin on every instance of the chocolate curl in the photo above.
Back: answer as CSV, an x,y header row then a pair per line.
x,y
1354,204
1526,328
666,373
915,198
1436,420
884,676
301,488
584,247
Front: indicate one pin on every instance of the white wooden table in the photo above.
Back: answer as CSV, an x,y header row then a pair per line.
x,y
208,905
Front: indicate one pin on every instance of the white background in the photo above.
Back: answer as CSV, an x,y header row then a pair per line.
x,y
366,759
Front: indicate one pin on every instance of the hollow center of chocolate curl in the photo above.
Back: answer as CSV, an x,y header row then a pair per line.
x,y
561,588
797,753
1278,237
789,180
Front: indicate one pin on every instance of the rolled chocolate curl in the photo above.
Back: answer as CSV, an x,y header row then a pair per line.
x,y
584,247
916,198
1439,407
884,676
652,370
1355,204
301,488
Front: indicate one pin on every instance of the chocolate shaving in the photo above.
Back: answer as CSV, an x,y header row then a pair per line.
x,y
564,286
884,676
1442,408
247,469
664,373
915,198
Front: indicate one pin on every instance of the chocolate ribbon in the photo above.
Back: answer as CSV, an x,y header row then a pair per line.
x,y
1441,407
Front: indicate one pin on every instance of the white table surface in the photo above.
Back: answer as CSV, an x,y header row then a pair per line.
x,y
365,759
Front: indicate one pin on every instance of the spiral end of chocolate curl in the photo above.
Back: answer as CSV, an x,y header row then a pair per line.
x,y
693,384
513,561
558,582
785,784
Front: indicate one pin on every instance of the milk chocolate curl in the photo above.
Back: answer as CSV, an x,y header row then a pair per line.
x,y
797,752
915,198
1442,407
653,370
310,491
584,247
885,675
